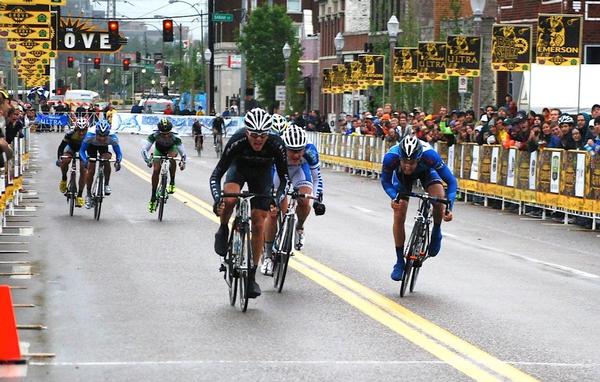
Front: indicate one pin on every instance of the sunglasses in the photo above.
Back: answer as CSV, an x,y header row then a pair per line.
x,y
258,135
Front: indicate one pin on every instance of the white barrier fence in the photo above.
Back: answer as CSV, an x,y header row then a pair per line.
x,y
182,124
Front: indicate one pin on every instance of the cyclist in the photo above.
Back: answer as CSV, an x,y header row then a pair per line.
x,y
278,124
95,143
248,158
304,170
70,145
402,165
218,128
197,133
166,143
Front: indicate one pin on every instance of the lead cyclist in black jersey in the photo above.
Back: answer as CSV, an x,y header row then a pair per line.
x,y
248,158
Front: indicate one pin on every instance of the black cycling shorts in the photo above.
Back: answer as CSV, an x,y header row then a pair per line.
x,y
93,151
259,179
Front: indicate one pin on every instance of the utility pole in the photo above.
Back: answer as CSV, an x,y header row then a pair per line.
x,y
211,47
242,105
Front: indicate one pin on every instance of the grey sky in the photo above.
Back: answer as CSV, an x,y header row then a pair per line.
x,y
149,8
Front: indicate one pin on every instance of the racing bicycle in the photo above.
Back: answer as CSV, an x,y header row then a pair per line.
x,y
98,185
219,145
238,262
71,193
284,239
417,249
161,192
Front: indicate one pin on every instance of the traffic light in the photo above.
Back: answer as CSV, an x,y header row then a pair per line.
x,y
113,32
168,30
70,61
126,64
166,71
138,57
97,63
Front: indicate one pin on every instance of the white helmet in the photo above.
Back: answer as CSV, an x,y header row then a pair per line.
x,y
566,118
81,123
294,137
278,123
257,119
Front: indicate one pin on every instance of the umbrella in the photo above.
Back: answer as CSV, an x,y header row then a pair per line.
x,y
39,92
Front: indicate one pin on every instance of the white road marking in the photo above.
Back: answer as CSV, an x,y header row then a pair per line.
x,y
293,362
449,235
362,209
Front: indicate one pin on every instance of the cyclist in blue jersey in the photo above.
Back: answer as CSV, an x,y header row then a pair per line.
x,y
304,170
95,143
405,162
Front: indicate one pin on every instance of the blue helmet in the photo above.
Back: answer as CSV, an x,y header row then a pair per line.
x,y
410,148
102,127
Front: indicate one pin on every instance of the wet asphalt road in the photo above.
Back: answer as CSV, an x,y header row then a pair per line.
x,y
131,298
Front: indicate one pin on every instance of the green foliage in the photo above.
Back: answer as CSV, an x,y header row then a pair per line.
x,y
265,34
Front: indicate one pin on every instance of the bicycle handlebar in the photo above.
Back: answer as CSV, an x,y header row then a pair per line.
x,y
434,199
243,194
76,156
161,157
101,160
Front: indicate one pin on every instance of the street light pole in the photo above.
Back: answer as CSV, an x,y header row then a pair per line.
x,y
287,52
477,6
393,27
338,43
207,58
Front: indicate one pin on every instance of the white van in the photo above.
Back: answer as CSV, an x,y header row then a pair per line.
x,y
77,98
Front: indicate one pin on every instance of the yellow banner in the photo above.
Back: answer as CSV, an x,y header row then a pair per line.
x,y
326,81
352,76
36,2
406,65
41,55
432,60
27,45
559,40
20,15
339,71
27,32
372,69
463,56
511,48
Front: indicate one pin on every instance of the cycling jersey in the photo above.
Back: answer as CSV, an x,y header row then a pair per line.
x,y
391,173
239,155
95,143
311,156
300,176
163,144
71,142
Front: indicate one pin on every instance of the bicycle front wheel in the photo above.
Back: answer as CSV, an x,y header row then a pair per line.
x,y
286,252
99,195
162,196
246,266
413,278
72,193
413,250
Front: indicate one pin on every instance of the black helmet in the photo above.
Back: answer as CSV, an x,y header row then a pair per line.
x,y
164,125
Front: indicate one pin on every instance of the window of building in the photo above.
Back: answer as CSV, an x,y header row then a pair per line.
x,y
294,6
592,54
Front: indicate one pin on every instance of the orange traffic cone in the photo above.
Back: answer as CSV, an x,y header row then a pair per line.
x,y
9,345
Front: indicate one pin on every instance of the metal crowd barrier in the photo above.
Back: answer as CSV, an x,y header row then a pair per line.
x,y
11,176
553,180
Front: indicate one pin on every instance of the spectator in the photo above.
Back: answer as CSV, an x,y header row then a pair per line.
x,y
510,106
168,110
549,139
392,137
546,114
14,125
200,111
554,114
578,141
148,109
323,125
369,126
234,109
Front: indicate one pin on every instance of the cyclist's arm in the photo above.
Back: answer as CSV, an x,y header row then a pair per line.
x,y
281,165
83,151
61,148
181,150
229,153
146,150
390,163
312,158
116,147
447,176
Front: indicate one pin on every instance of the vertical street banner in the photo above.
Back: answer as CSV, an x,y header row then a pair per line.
x,y
511,48
326,81
337,81
406,65
559,40
463,56
494,165
432,61
533,170
372,69
510,172
555,167
353,75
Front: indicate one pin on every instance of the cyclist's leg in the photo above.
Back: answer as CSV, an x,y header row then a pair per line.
x,y
172,165
92,152
271,222
433,184
155,178
65,162
82,178
260,182
404,185
104,154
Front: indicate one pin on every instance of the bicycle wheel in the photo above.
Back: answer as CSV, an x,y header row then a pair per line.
x,y
278,246
98,196
219,148
413,278
198,146
72,193
413,247
246,265
162,196
285,254
230,277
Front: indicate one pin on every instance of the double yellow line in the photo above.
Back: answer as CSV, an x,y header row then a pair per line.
x,y
456,352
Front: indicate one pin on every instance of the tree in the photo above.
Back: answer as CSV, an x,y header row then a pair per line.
x,y
265,34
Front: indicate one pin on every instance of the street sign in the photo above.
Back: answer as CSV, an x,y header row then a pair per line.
x,y
222,17
280,93
75,36
462,84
